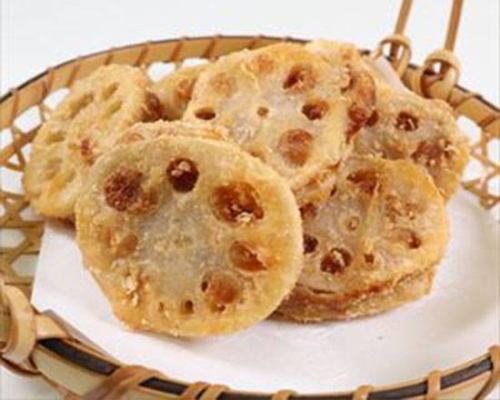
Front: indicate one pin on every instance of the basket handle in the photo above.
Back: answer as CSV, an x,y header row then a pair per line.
x,y
441,67
399,44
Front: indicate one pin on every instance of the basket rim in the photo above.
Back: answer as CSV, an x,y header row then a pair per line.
x,y
76,354
10,92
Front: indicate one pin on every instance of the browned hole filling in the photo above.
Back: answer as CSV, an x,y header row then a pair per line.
x,y
86,151
109,91
352,223
263,111
182,174
300,77
365,179
362,90
308,211
124,246
369,258
206,113
184,89
242,256
222,84
414,241
261,64
222,289
310,243
357,119
315,110
204,286
406,121
80,103
433,153
397,208
295,146
373,119
336,260
123,188
333,190
237,202
187,307
154,108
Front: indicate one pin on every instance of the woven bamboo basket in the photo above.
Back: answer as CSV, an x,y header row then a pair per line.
x,y
34,344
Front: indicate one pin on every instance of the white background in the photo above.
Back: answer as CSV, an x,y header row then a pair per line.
x,y
37,34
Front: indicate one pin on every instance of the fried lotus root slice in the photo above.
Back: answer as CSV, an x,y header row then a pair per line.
x,y
81,128
153,130
283,104
175,90
198,238
371,244
406,126
360,90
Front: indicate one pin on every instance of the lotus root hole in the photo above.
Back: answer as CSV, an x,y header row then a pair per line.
x,y
295,146
244,257
86,151
237,202
182,174
369,258
406,121
123,188
205,113
154,108
263,111
184,89
333,190
310,243
315,110
372,121
432,154
124,246
336,260
365,179
222,289
299,78
357,119
308,211
187,307
352,223
414,241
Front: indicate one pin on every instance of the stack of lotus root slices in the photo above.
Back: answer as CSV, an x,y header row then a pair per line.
x,y
290,181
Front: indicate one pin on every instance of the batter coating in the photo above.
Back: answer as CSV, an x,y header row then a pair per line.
x,y
82,127
198,238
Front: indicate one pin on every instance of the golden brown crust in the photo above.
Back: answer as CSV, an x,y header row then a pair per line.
x,y
367,225
197,238
285,105
403,125
306,305
406,126
175,90
79,130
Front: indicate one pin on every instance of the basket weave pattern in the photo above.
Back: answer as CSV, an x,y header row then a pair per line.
x,y
32,344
